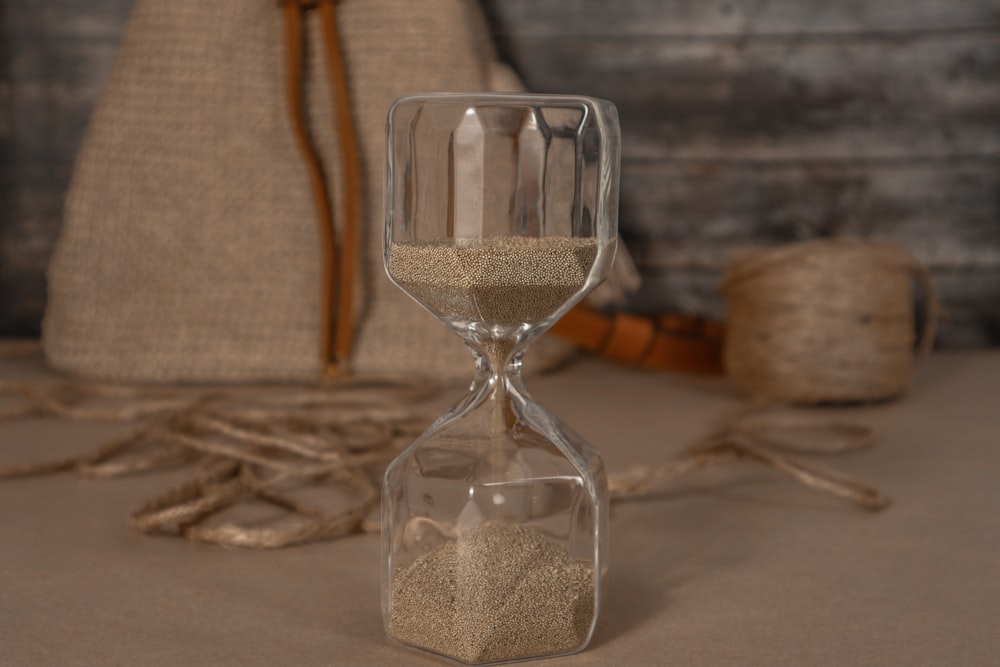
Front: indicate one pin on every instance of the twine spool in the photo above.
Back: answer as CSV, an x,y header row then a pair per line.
x,y
830,320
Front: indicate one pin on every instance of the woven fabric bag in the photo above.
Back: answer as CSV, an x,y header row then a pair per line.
x,y
190,249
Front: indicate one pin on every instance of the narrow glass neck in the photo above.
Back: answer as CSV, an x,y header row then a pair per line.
x,y
496,365
498,379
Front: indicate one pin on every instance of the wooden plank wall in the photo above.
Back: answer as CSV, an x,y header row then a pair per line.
x,y
746,122
54,57
752,122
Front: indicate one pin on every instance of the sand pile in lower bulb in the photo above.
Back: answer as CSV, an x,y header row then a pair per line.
x,y
500,593
505,280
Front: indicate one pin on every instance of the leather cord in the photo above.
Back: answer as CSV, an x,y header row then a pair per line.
x,y
671,342
351,157
339,261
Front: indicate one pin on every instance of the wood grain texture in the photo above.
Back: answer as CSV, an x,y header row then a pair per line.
x,y
54,57
694,19
771,99
769,121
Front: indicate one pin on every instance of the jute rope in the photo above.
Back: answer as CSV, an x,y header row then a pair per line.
x,y
830,320
260,443
761,433
264,443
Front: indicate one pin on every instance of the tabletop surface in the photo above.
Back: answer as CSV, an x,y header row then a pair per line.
x,y
737,566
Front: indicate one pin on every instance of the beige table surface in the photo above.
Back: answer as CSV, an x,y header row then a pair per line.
x,y
739,567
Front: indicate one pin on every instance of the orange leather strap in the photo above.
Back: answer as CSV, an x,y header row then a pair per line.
x,y
671,342
351,160
338,260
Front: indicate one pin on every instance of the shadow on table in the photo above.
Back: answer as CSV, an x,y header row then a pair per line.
x,y
655,551
629,602
672,540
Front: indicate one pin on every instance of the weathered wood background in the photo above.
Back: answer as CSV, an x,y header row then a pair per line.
x,y
763,121
54,57
745,122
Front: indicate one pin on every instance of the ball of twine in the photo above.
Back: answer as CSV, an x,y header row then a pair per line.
x,y
824,321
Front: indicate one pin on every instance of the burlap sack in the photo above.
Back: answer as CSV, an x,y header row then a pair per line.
x,y
190,248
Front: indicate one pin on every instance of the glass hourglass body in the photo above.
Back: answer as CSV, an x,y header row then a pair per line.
x,y
501,214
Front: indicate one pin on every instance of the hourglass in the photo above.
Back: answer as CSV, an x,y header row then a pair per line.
x,y
501,214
